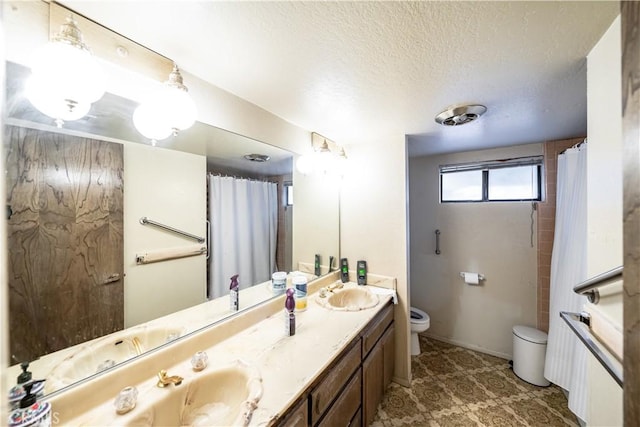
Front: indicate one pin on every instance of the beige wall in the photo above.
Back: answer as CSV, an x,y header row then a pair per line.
x,y
373,225
604,205
169,187
493,239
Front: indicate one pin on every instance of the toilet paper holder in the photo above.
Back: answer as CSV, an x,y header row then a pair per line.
x,y
464,273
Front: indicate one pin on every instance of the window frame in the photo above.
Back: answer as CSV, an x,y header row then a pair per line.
x,y
486,167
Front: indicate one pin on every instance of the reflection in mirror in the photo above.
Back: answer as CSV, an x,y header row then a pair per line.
x,y
59,232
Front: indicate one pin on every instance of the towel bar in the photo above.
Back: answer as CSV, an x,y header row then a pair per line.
x,y
577,322
146,221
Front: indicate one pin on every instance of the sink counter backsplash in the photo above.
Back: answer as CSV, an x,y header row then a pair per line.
x,y
285,366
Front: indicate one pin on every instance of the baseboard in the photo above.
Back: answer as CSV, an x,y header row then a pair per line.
x,y
469,346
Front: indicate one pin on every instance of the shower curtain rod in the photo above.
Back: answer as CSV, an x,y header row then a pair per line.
x,y
224,175
584,141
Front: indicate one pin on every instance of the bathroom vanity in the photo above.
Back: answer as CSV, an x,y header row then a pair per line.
x,y
348,393
332,371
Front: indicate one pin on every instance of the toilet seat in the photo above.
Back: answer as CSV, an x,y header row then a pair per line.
x,y
419,317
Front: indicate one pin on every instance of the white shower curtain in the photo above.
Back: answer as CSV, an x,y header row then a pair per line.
x,y
566,359
244,221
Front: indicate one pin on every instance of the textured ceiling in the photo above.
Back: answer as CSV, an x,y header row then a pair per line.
x,y
376,71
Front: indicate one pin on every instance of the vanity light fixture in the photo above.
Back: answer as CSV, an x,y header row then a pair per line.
x,y
327,157
65,77
166,111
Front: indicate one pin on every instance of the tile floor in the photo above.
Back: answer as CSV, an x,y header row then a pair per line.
x,y
453,386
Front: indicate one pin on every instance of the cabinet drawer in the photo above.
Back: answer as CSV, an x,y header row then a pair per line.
x,y
299,416
346,406
330,386
376,328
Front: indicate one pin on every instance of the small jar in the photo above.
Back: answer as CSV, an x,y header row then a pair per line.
x,y
300,286
278,282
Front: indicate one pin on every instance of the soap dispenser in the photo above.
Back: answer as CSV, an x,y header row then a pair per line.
x,y
17,392
289,314
31,413
234,293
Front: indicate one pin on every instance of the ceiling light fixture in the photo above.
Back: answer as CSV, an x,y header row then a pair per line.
x,y
65,77
258,158
166,111
456,116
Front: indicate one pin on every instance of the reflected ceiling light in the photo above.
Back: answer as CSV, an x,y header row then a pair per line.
x,y
166,111
65,77
257,158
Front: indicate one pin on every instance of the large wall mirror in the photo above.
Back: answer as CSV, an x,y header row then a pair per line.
x,y
90,286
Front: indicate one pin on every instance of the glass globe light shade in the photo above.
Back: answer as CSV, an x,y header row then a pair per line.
x,y
324,160
167,110
180,109
65,80
304,164
149,120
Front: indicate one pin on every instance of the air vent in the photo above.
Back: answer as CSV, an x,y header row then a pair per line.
x,y
456,116
258,158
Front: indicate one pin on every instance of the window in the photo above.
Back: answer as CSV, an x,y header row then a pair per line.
x,y
497,181
289,192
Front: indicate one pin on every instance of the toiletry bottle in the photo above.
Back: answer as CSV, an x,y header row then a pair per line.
x,y
234,294
278,282
300,285
17,391
316,266
289,314
31,413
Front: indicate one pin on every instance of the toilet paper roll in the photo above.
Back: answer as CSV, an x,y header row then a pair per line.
x,y
471,278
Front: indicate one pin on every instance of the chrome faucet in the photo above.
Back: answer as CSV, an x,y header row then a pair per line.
x,y
164,379
334,286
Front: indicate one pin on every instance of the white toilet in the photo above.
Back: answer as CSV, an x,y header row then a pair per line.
x,y
419,323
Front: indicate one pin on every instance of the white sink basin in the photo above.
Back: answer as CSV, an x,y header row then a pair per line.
x,y
103,353
350,299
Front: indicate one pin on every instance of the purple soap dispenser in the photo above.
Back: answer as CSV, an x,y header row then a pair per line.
x,y
289,314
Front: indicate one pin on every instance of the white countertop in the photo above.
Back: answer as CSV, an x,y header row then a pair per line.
x,y
288,365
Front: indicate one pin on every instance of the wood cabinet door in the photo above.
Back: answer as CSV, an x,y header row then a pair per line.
x,y
389,351
372,383
65,240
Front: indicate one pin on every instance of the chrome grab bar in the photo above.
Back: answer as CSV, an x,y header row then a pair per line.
x,y
437,242
146,221
577,323
589,287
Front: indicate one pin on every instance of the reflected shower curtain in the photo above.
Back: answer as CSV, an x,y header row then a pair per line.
x,y
566,359
244,218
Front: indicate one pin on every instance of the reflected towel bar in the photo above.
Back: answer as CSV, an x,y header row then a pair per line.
x,y
167,254
589,287
579,323
146,221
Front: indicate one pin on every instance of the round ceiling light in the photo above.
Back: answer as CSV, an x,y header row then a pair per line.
x,y
456,116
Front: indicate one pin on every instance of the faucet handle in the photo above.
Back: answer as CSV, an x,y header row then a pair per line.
x,y
126,400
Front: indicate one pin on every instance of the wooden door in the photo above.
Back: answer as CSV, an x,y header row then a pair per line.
x,y
65,240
